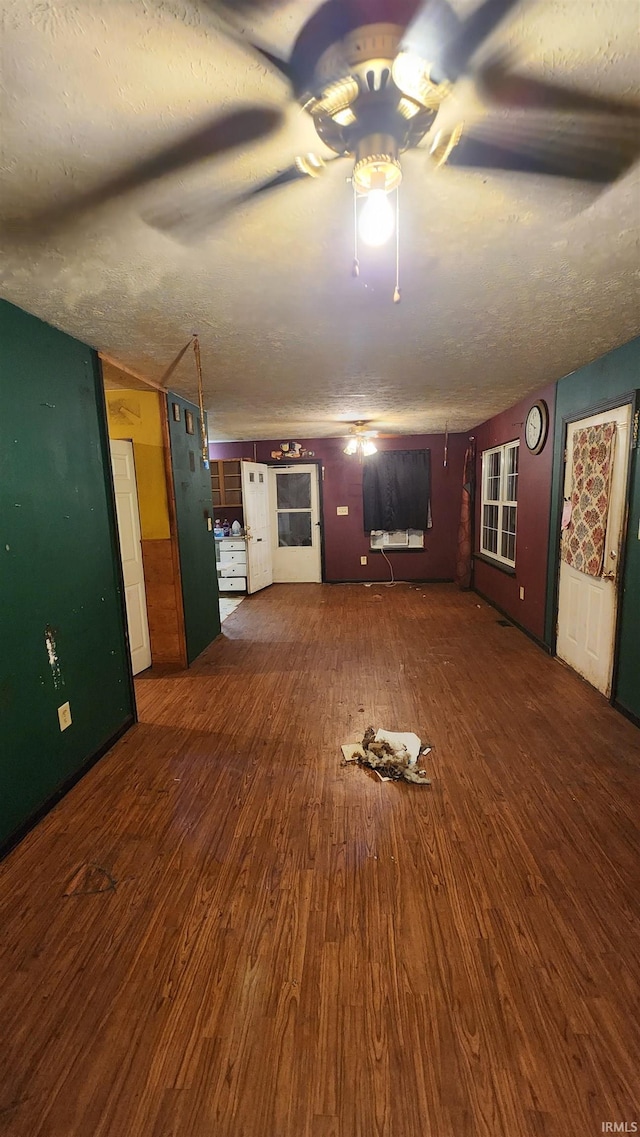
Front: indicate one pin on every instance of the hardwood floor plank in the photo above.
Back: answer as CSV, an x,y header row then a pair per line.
x,y
287,947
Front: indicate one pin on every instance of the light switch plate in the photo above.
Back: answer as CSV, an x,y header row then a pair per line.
x,y
521,592
363,560
64,716
342,510
209,524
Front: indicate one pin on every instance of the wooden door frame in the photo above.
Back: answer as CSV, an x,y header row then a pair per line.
x,y
318,462
105,442
628,398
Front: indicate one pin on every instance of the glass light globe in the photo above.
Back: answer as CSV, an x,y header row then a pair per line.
x,y
377,219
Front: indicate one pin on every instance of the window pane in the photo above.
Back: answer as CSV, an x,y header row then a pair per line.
x,y
508,536
293,491
490,528
511,459
492,478
294,529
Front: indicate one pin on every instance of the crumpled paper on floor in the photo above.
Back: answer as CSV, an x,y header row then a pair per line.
x,y
402,743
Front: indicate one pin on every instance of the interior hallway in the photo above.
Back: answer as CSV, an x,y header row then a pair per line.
x,y
286,947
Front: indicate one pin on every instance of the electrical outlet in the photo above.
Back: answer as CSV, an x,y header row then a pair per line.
x,y
521,592
64,716
363,560
342,510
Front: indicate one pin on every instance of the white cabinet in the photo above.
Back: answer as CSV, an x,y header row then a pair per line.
x,y
231,555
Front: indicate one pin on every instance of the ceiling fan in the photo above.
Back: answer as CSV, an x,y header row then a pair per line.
x,y
360,440
374,74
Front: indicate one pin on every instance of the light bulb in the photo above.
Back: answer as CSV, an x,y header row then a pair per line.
x,y
351,447
369,448
377,219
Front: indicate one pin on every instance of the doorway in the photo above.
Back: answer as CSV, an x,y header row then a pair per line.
x,y
295,524
588,604
128,518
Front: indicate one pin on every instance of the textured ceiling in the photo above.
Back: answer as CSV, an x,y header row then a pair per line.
x,y
508,281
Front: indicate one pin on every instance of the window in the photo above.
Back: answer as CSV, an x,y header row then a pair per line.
x,y
293,506
499,502
395,490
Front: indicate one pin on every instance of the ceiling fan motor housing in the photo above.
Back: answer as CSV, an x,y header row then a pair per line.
x,y
366,96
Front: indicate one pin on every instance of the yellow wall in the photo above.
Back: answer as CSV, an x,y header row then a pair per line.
x,y
137,415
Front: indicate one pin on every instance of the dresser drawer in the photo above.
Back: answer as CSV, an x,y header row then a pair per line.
x,y
228,546
229,558
232,570
232,584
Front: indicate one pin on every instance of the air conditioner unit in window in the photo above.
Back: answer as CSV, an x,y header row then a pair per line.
x,y
397,539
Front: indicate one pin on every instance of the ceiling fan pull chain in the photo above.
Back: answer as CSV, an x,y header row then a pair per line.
x,y
355,271
396,291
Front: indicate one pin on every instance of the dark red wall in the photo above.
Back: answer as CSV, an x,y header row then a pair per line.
x,y
344,538
534,504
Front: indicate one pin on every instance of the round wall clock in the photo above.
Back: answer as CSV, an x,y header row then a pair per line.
x,y
536,426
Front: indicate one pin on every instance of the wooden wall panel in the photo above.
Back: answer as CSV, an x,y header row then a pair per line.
x,y
164,603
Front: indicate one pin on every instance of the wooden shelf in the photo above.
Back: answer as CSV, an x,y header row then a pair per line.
x,y
226,482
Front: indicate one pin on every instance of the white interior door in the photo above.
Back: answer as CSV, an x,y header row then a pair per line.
x,y
128,515
587,605
255,501
295,529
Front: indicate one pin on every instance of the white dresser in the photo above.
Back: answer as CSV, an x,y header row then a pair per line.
x,y
231,556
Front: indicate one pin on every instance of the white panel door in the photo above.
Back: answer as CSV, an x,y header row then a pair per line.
x,y
255,501
128,515
295,528
587,605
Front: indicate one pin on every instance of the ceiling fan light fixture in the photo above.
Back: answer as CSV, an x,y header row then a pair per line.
x,y
363,447
311,164
377,164
444,142
412,75
344,117
377,219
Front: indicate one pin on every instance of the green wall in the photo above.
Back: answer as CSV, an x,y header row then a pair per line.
x,y
612,376
192,489
59,572
628,677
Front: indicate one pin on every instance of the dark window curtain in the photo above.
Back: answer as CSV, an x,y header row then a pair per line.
x,y
395,489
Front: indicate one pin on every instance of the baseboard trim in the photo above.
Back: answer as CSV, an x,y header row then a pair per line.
x,y
26,826
521,628
635,719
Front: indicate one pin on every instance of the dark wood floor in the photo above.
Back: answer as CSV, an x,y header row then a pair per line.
x,y
290,948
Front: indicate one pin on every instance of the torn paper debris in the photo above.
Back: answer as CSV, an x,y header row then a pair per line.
x,y
393,755
352,751
401,740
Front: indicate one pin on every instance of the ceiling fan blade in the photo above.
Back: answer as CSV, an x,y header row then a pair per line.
x,y
231,9
508,88
192,217
596,149
213,140
456,53
434,24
